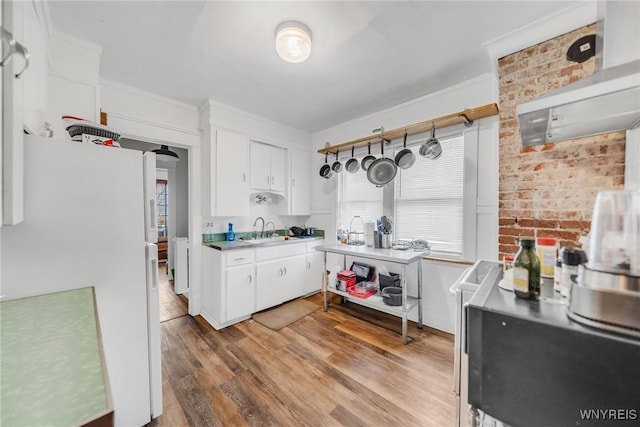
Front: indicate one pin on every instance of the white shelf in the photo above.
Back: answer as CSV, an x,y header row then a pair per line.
x,y
375,302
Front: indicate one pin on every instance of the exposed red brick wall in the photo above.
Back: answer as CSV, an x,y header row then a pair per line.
x,y
549,190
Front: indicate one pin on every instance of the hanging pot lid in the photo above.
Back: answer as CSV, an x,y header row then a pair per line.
x,y
383,170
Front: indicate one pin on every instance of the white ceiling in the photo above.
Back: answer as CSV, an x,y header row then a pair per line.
x,y
366,56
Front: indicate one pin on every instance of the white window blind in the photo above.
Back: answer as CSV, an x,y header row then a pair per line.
x,y
357,196
429,198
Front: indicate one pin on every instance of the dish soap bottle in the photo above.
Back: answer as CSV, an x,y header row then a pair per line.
x,y
526,270
231,236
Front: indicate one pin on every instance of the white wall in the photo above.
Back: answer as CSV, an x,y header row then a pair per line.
x,y
73,83
438,276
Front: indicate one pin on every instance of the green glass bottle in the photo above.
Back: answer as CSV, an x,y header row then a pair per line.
x,y
526,270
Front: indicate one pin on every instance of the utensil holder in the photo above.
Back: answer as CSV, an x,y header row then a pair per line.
x,y
386,240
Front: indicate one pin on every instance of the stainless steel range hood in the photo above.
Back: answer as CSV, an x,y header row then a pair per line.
x,y
607,101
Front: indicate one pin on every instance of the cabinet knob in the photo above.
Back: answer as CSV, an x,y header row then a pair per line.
x,y
280,273
273,180
244,177
250,279
285,271
308,266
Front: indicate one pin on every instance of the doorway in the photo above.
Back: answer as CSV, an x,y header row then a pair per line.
x,y
172,222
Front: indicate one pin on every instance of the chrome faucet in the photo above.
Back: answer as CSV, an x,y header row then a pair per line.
x,y
273,229
254,225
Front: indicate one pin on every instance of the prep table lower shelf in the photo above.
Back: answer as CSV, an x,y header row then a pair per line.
x,y
375,302
402,258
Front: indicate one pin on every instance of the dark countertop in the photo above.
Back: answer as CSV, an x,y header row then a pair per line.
x,y
548,310
260,243
530,365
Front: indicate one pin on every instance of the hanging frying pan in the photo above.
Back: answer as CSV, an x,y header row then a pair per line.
x,y
325,170
367,160
352,164
383,170
336,166
431,148
405,157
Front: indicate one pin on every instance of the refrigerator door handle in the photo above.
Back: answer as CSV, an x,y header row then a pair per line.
x,y
152,266
154,274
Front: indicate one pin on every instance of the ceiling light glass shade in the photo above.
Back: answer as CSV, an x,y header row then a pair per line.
x,y
164,154
293,41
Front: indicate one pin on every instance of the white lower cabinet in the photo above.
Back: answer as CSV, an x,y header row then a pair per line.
x,y
240,290
313,273
279,280
237,283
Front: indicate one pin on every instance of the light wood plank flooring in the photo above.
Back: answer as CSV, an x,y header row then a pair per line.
x,y
171,305
347,367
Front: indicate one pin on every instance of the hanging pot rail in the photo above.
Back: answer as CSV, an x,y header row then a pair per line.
x,y
467,116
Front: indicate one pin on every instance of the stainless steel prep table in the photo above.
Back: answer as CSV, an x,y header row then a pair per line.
x,y
403,258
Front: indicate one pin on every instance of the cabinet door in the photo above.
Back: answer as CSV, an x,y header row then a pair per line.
x,y
232,185
294,277
300,183
269,284
278,169
240,291
313,274
260,166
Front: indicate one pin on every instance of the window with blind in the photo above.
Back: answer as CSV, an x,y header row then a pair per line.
x,y
429,198
357,196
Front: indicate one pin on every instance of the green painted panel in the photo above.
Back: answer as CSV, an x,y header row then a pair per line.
x,y
50,364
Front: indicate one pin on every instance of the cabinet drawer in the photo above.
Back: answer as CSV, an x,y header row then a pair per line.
x,y
239,257
281,251
311,245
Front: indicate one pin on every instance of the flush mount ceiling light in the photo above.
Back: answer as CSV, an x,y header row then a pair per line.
x,y
293,41
164,154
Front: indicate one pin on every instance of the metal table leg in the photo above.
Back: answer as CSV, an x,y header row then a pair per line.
x,y
420,293
404,305
325,283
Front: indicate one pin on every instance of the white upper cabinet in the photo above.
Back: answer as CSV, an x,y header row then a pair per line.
x,y
226,173
300,183
268,167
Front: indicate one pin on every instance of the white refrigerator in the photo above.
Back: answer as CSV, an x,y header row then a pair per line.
x,y
89,220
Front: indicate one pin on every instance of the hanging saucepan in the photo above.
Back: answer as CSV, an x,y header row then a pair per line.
x,y
336,166
431,148
325,170
405,157
383,170
352,164
367,160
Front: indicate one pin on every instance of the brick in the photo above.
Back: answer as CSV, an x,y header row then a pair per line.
x,y
506,221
